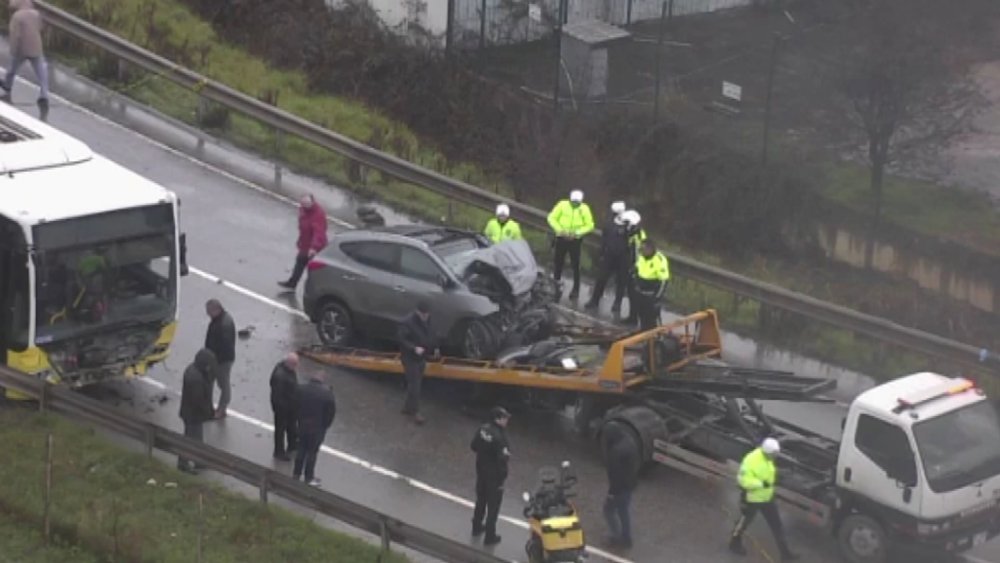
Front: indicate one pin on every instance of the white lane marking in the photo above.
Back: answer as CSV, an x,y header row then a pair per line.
x,y
247,293
355,460
179,153
974,559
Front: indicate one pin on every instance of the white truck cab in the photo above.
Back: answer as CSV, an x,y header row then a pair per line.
x,y
919,467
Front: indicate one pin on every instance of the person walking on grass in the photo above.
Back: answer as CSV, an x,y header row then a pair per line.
x,y
25,38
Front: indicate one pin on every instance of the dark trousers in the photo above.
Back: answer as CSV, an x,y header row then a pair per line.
x,y
300,266
285,425
647,309
748,511
611,266
195,431
571,247
414,372
305,457
616,514
489,494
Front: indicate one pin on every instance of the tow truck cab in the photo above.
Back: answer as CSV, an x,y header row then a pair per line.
x,y
919,467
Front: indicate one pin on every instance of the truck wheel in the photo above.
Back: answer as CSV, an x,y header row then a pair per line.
x,y
476,339
862,539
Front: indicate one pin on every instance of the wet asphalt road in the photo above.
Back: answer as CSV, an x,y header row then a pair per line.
x,y
247,238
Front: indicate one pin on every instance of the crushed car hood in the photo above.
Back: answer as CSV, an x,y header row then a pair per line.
x,y
512,260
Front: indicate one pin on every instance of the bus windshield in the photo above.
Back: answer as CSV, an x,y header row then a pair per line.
x,y
102,284
961,447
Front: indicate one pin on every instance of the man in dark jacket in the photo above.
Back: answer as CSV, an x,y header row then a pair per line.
x,y
492,453
614,259
622,459
196,399
315,410
312,238
415,344
284,384
220,338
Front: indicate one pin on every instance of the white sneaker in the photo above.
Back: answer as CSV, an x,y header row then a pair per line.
x,y
314,483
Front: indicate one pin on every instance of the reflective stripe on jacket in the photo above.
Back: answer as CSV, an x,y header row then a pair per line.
x,y
565,218
757,474
496,232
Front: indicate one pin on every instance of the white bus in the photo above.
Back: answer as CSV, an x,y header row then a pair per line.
x,y
90,259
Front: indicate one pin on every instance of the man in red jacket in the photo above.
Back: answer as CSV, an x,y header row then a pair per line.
x,y
312,237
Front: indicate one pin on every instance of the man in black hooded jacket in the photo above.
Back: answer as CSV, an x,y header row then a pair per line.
x,y
196,399
492,453
622,459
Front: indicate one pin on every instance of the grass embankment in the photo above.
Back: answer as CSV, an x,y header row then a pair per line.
x,y
169,28
103,509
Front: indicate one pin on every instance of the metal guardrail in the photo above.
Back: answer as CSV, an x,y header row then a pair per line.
x,y
67,402
287,123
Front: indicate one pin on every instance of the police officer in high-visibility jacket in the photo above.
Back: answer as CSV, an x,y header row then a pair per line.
x,y
502,227
652,273
757,480
570,220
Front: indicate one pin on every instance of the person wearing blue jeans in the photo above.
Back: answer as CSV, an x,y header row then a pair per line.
x,y
621,454
25,37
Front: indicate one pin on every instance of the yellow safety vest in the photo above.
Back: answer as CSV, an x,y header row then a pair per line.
x,y
637,238
756,471
654,268
565,218
497,232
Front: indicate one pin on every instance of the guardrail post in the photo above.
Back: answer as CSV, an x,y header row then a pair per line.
x,y
278,137
384,552
43,398
264,485
150,440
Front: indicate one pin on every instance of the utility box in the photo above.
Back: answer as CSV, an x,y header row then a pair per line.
x,y
585,68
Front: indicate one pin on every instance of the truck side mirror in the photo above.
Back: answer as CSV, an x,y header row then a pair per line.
x,y
183,256
904,471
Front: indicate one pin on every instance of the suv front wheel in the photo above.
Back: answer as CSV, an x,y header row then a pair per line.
x,y
334,324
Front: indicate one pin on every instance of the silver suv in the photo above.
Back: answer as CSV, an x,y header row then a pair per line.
x,y
483,297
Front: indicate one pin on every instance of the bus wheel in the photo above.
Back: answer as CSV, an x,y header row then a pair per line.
x,y
862,539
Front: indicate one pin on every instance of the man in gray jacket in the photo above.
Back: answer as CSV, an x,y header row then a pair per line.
x,y
26,45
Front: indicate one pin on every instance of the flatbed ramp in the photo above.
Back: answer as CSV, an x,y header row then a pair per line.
x,y
675,357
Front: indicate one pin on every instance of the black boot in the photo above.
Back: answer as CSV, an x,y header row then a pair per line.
x,y
43,109
736,546
491,540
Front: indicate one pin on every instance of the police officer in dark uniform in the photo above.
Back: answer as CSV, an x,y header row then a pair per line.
x,y
614,258
652,272
492,454
636,236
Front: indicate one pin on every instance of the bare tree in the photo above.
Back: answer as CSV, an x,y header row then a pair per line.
x,y
903,76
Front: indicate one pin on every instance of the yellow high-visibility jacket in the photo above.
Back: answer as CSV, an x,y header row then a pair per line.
x,y
576,221
757,474
507,231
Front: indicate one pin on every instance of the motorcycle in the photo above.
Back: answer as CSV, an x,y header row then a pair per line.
x,y
556,533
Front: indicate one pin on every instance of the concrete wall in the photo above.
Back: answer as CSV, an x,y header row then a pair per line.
x,y
950,274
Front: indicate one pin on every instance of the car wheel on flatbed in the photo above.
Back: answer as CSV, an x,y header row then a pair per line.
x,y
334,324
862,539
476,339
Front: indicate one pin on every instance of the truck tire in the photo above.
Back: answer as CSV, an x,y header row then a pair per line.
x,y
647,425
862,539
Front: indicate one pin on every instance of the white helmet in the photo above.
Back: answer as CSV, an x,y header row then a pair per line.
x,y
618,207
576,196
632,217
771,446
503,210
